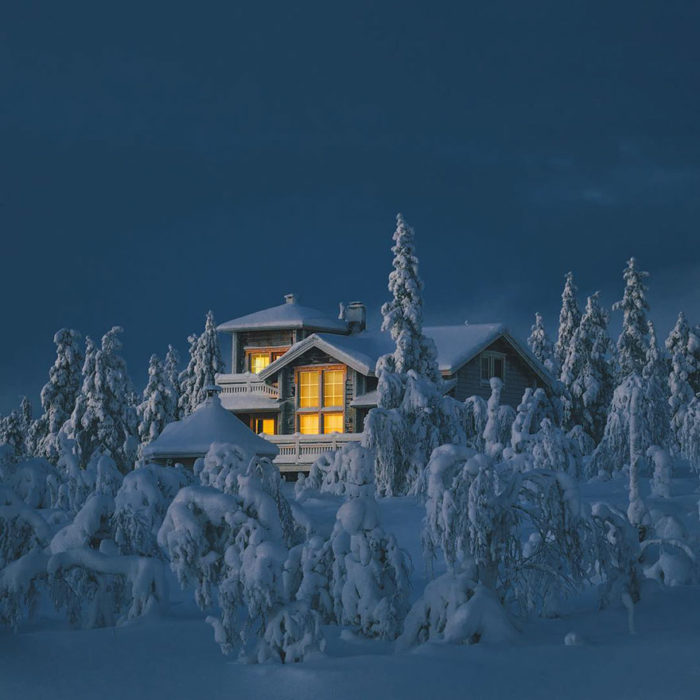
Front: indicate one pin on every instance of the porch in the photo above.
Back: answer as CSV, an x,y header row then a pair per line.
x,y
298,452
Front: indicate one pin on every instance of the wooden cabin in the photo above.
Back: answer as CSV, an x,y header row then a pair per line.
x,y
306,381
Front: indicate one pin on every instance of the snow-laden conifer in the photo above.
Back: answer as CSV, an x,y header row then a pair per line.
x,y
540,345
633,341
104,417
412,416
172,373
587,372
684,367
59,394
569,319
159,403
204,364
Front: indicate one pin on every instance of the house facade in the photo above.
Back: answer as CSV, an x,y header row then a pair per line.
x,y
305,380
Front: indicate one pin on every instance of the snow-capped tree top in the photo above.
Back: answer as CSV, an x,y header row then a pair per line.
x,y
569,318
632,344
403,315
539,343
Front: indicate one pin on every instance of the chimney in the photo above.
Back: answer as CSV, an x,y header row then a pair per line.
x,y
290,298
356,316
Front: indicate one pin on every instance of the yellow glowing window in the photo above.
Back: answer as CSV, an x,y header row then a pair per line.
x,y
333,387
308,389
263,425
258,361
332,422
308,423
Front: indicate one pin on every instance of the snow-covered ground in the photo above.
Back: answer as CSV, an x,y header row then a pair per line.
x,y
176,656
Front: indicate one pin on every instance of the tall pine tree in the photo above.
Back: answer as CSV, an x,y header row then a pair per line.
x,y
171,369
412,416
680,348
104,417
633,343
587,372
205,363
540,345
569,319
159,403
59,394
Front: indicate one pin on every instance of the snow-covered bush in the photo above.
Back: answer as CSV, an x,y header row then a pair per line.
x,y
476,415
526,532
292,635
661,477
370,573
617,559
348,471
32,481
22,528
666,554
234,544
21,583
140,505
101,590
457,610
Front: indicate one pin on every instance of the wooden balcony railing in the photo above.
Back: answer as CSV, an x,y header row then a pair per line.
x,y
298,452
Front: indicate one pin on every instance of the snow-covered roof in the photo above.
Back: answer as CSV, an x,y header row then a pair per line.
x,y
291,314
210,422
456,345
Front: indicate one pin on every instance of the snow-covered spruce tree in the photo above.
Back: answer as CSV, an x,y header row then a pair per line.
x,y
26,424
159,403
626,437
104,417
170,367
683,369
59,394
569,319
541,346
587,372
689,434
412,417
633,341
11,433
205,363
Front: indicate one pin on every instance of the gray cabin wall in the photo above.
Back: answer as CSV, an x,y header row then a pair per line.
x,y
518,376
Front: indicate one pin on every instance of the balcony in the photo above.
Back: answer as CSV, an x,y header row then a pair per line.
x,y
298,452
245,393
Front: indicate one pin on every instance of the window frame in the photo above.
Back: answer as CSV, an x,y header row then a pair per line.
x,y
273,352
492,355
320,409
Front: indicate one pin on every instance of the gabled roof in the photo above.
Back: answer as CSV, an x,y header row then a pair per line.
x,y
289,315
210,422
456,345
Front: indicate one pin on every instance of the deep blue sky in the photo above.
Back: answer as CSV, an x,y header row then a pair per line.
x,y
159,160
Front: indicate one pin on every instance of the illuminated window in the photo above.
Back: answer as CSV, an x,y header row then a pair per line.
x,y
320,389
332,422
309,389
333,387
308,423
258,361
492,365
263,425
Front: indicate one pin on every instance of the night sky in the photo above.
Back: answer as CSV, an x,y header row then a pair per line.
x,y
158,160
